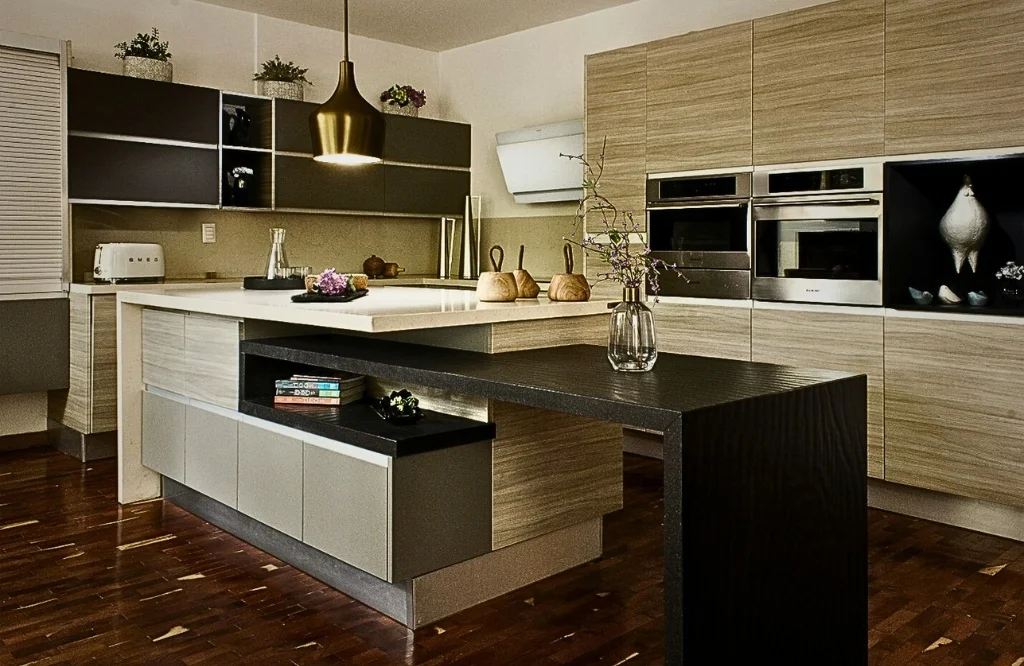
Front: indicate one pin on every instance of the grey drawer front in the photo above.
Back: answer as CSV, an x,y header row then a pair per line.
x,y
34,340
163,435
346,509
211,455
270,478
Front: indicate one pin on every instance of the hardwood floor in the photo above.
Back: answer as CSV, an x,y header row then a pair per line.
x,y
83,580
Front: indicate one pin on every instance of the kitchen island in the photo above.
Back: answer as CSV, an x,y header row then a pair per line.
x,y
505,481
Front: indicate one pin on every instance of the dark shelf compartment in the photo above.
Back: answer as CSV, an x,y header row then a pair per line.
x,y
261,128
261,164
357,424
994,309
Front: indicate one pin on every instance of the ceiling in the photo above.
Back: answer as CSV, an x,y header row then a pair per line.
x,y
435,25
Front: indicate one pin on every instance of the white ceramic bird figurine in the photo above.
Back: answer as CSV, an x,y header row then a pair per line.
x,y
964,227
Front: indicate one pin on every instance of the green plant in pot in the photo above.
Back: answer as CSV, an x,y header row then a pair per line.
x,y
146,57
403,100
281,79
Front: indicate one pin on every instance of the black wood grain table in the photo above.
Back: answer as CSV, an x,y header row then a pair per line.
x,y
765,480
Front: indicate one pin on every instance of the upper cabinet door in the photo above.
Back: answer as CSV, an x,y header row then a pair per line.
x,y
954,75
699,100
819,89
615,91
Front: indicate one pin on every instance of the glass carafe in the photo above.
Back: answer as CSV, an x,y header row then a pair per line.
x,y
277,263
631,342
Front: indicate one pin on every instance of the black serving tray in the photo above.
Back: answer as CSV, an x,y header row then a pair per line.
x,y
311,297
277,284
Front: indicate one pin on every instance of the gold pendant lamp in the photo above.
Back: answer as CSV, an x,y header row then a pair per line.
x,y
347,129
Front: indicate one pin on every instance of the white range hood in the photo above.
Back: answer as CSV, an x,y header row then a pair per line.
x,y
533,167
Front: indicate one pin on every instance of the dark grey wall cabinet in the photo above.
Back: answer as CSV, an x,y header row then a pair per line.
x,y
429,191
304,183
112,104
130,171
426,141
291,126
34,339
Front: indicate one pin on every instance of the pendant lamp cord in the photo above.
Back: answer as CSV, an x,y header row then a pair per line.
x,y
346,30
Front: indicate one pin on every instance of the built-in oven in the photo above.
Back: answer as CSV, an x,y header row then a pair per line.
x,y
701,224
817,235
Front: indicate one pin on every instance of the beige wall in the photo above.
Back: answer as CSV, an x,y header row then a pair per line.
x,y
542,237
21,413
243,239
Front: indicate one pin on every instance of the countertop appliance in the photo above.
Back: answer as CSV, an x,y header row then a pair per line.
x,y
702,225
128,262
818,234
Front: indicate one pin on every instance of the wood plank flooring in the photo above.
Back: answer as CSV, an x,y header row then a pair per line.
x,y
83,580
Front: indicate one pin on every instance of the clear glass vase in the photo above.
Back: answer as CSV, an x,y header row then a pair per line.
x,y
631,343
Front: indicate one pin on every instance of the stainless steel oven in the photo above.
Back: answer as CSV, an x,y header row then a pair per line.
x,y
702,225
817,235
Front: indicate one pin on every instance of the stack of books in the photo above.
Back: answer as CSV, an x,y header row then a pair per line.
x,y
313,390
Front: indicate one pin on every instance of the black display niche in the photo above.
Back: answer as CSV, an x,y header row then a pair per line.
x,y
917,195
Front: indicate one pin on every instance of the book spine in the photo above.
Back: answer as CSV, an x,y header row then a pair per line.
x,y
302,400
309,393
318,386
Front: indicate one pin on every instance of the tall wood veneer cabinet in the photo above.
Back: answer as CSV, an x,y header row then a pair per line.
x,y
819,83
704,330
616,112
89,405
954,75
953,407
830,341
699,100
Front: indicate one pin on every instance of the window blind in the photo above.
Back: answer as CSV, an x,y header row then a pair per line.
x,y
32,204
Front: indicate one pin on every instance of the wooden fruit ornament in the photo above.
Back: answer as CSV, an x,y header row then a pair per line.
x,y
569,286
495,286
528,287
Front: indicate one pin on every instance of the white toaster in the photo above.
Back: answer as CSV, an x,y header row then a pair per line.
x,y
128,262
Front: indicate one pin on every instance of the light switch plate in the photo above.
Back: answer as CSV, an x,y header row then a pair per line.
x,y
209,232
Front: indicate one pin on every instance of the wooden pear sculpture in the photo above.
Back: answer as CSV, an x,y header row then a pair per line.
x,y
569,286
495,286
528,287
965,226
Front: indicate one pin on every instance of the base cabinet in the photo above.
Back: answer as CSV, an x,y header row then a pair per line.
x,y
829,341
163,435
345,511
211,454
270,478
704,330
954,407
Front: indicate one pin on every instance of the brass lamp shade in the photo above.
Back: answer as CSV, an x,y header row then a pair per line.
x,y
347,129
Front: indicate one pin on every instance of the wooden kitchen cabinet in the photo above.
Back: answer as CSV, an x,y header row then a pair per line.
x,y
616,112
830,341
954,408
89,405
699,100
819,88
704,330
954,75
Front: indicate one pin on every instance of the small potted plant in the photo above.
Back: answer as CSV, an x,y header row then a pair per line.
x,y
403,100
281,79
1011,276
146,57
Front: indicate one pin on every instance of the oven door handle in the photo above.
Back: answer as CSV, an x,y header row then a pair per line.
x,y
652,206
866,201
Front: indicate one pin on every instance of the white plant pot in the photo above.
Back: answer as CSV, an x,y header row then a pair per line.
x,y
282,89
148,68
407,110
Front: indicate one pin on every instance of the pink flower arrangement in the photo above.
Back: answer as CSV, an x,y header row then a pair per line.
x,y
332,283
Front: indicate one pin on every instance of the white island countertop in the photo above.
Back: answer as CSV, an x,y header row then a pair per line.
x,y
382,310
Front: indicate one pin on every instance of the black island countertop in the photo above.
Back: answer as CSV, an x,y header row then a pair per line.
x,y
765,478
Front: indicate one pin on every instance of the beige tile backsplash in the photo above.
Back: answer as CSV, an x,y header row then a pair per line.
x,y
320,241
243,239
